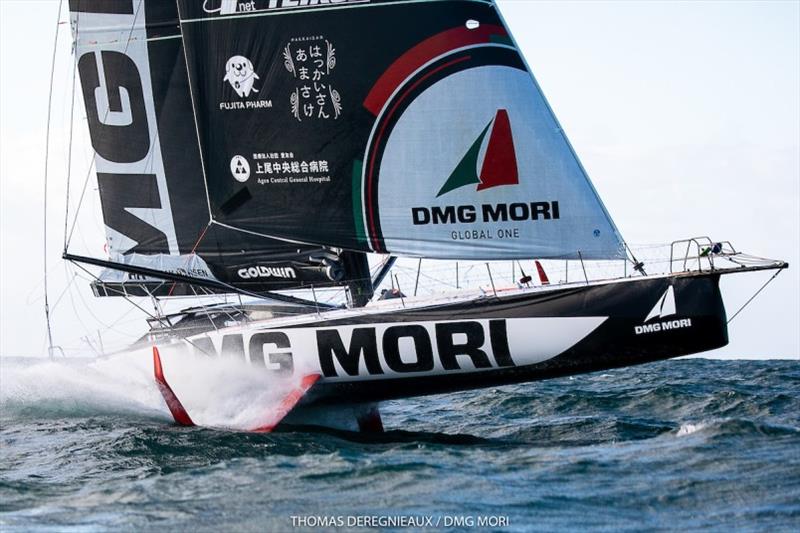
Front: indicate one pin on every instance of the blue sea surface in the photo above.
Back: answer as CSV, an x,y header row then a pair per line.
x,y
690,444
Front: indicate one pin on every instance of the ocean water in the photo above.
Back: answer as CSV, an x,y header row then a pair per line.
x,y
677,445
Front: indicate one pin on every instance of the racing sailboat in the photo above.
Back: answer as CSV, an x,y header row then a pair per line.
x,y
250,147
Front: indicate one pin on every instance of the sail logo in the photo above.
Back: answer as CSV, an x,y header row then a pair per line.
x,y
499,165
226,7
240,168
664,307
241,74
267,272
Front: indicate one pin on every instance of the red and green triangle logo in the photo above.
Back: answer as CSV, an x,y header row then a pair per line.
x,y
499,163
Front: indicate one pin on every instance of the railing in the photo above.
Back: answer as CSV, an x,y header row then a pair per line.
x,y
703,248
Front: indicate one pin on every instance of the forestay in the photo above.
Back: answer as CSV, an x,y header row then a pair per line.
x,y
401,126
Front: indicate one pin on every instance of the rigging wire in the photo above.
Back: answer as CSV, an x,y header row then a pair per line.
x,y
71,129
206,293
163,321
205,310
108,327
125,296
68,232
88,310
194,249
753,297
46,160
70,283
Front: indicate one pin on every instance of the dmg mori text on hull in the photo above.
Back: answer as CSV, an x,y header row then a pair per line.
x,y
376,355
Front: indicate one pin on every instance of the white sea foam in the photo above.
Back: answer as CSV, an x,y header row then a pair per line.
x,y
688,429
77,386
222,392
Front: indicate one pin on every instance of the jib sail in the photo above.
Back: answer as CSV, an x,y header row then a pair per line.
x,y
134,83
408,127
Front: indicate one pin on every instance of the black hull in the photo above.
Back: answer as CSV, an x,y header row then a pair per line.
x,y
615,343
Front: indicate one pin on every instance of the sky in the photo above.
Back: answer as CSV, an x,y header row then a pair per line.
x,y
686,116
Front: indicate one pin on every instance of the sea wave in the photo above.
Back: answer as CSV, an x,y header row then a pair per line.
x,y
691,444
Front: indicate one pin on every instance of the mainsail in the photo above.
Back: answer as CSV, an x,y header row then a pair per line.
x,y
133,75
397,126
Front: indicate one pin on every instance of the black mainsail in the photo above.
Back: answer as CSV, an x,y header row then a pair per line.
x,y
135,88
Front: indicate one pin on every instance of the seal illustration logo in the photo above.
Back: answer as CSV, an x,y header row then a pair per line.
x,y
239,72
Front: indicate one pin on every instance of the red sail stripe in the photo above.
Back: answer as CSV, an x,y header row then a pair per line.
x,y
376,245
425,51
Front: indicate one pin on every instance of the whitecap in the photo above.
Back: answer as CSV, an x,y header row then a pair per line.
x,y
688,429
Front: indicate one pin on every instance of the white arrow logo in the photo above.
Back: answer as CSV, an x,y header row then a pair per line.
x,y
665,306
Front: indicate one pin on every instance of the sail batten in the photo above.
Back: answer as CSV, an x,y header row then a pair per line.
x,y
415,129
